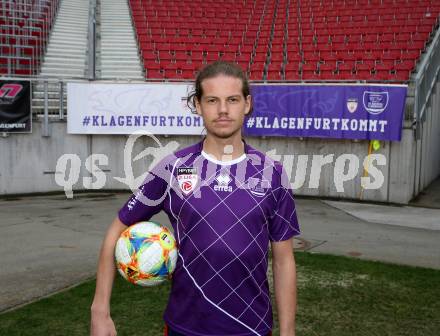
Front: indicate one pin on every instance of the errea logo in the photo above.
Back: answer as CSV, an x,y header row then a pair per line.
x,y
223,180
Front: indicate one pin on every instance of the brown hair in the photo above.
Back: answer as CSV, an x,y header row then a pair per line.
x,y
213,70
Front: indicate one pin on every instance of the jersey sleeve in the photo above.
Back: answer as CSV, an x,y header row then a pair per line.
x,y
148,200
284,221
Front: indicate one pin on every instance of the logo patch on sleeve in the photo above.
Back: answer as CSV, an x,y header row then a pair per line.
x,y
187,178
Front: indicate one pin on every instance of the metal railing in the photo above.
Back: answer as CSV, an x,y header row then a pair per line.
x,y
425,81
49,95
24,34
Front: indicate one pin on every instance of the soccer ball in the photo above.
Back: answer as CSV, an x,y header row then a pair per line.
x,y
146,254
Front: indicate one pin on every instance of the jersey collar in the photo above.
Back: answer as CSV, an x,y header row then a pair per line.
x,y
231,162
200,146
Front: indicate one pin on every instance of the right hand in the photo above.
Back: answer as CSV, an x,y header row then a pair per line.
x,y
102,325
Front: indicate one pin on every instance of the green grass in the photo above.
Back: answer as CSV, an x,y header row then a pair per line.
x,y
336,296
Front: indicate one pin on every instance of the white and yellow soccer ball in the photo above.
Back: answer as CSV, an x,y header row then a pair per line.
x,y
146,254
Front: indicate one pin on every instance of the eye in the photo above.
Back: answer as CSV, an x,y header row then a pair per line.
x,y
233,99
211,100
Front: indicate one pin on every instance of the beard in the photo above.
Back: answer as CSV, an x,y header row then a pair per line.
x,y
223,134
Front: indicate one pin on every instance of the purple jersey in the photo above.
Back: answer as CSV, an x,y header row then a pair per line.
x,y
224,214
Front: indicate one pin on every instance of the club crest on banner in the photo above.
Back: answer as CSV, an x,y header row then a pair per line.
x,y
187,178
352,105
375,102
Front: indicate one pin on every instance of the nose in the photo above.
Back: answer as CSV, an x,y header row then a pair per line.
x,y
223,107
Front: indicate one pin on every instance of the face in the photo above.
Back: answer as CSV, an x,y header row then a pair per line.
x,y
223,106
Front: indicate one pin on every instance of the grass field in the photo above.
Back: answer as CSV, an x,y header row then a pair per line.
x,y
336,296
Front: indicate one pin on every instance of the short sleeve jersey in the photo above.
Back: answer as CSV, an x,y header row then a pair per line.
x,y
224,214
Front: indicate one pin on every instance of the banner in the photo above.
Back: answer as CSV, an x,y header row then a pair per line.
x,y
373,112
15,106
328,111
99,108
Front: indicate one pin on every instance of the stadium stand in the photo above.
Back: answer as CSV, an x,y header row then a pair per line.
x,y
118,47
67,47
65,56
372,40
24,31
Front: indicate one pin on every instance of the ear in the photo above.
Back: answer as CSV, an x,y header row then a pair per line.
x,y
198,107
248,103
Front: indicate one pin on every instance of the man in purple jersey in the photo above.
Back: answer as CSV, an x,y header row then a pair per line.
x,y
226,202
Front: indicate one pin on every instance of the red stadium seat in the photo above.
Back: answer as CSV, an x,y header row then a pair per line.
x,y
363,74
310,75
292,75
370,39
256,75
260,57
327,67
274,75
327,75
405,65
346,75
154,74
151,65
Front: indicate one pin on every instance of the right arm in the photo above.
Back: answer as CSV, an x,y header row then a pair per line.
x,y
101,321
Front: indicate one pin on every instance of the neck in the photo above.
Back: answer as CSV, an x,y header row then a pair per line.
x,y
224,149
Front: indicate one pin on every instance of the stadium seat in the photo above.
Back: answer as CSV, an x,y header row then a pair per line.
x,y
370,39
255,75
24,34
274,75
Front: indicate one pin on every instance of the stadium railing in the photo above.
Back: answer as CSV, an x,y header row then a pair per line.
x,y
425,80
24,34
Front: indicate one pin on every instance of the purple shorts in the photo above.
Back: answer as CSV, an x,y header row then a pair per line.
x,y
169,332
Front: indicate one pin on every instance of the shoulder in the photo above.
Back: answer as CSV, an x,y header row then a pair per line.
x,y
169,159
186,151
272,169
265,160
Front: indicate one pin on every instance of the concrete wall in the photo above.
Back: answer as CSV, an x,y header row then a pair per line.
x,y
427,156
29,162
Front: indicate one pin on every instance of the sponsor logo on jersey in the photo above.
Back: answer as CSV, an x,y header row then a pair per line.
x,y
132,202
258,187
223,180
187,178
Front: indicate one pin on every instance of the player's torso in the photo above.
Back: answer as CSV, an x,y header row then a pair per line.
x,y
221,214
222,204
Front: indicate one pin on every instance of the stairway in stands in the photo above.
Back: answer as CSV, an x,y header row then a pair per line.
x,y
66,53
118,47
